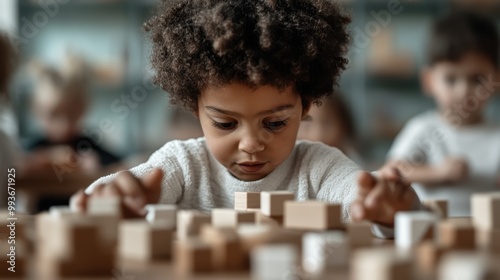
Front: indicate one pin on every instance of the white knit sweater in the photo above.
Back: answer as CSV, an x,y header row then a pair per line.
x,y
194,179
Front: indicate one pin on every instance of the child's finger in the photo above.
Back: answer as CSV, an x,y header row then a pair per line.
x,y
130,186
366,182
375,197
152,184
358,212
78,201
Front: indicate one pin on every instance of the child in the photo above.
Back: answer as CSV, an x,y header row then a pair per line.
x,y
454,151
332,124
249,70
59,103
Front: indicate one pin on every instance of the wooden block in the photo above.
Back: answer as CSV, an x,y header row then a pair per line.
x,y
246,200
428,256
266,220
456,235
110,205
274,262
164,213
189,223
63,211
227,251
488,240
380,264
439,207
486,210
324,250
413,227
192,256
359,235
231,218
466,265
143,241
312,215
273,203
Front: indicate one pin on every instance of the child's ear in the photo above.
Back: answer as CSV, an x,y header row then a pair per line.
x,y
426,81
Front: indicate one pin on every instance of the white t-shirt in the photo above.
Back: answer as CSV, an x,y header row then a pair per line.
x,y
428,139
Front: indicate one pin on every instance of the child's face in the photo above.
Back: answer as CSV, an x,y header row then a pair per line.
x,y
456,87
250,131
322,125
59,119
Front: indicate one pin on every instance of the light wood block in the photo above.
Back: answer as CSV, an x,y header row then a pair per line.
x,y
140,240
485,209
488,240
164,213
324,250
359,235
110,205
413,227
272,203
272,262
466,265
312,215
428,257
189,223
439,207
380,264
231,218
192,256
456,235
227,250
246,200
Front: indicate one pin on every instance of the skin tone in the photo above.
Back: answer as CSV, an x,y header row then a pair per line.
x,y
452,85
251,131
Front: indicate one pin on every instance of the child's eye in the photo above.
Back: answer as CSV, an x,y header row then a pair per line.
x,y
275,125
224,126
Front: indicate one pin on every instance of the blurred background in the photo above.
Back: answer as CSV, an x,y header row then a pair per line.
x,y
101,44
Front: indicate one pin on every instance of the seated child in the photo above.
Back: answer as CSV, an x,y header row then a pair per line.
x,y
60,102
453,152
331,123
249,70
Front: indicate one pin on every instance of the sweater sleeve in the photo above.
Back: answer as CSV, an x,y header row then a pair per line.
x,y
167,159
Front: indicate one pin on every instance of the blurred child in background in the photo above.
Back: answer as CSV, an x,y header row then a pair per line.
x,y
331,123
60,102
454,151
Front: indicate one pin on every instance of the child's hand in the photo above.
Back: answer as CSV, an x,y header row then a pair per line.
x,y
379,198
136,192
453,170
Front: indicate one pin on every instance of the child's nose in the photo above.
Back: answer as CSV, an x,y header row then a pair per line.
x,y
251,143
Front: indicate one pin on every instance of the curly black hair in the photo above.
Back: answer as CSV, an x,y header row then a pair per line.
x,y
200,43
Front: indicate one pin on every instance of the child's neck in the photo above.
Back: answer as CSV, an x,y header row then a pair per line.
x,y
459,121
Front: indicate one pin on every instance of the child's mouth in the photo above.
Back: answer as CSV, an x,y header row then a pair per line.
x,y
251,167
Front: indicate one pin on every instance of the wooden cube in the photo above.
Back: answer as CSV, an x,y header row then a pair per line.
x,y
456,235
140,240
359,235
261,219
428,256
380,264
488,240
164,213
439,207
413,227
312,215
272,203
486,210
231,218
227,251
324,250
111,205
192,256
189,223
467,265
276,261
246,200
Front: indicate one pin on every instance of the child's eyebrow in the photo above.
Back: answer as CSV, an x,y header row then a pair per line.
x,y
274,110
